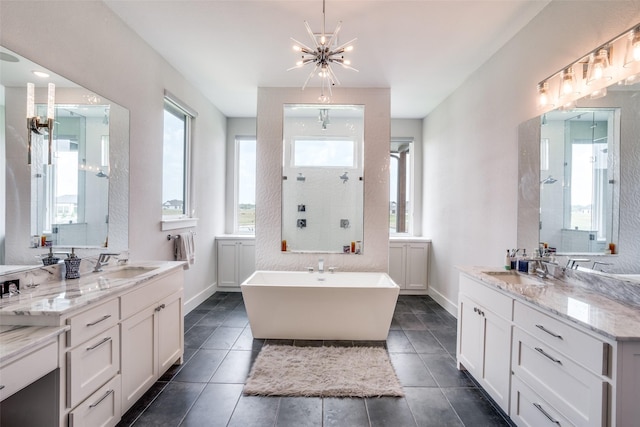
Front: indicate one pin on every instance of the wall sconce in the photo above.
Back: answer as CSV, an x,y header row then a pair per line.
x,y
598,69
33,122
591,74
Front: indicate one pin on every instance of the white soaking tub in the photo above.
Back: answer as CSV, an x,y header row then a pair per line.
x,y
320,306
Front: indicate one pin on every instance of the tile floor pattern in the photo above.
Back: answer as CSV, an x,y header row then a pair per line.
x,y
206,390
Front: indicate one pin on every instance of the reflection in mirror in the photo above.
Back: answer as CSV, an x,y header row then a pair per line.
x,y
81,200
579,180
322,184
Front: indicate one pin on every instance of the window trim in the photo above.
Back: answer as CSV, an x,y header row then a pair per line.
x,y
186,219
410,188
236,181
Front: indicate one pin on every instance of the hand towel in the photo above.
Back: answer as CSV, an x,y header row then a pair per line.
x,y
185,249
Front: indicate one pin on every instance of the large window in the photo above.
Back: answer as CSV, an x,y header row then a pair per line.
x,y
245,185
400,188
176,161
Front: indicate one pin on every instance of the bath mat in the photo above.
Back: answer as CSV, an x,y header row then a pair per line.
x,y
284,370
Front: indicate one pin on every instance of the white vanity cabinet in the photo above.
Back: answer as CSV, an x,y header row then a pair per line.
x,y
409,263
93,357
484,338
152,334
236,260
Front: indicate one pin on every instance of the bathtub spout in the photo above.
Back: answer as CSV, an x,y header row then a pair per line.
x,y
321,265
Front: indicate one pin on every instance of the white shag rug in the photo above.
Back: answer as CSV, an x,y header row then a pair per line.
x,y
284,370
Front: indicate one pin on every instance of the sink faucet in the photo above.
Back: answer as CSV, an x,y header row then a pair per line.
x,y
321,265
103,259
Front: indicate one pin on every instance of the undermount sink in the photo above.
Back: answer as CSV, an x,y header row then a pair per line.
x,y
126,272
516,278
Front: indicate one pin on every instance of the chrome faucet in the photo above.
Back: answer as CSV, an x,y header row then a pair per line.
x,y
321,265
103,259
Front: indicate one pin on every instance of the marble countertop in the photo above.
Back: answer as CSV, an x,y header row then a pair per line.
x,y
588,308
16,340
44,304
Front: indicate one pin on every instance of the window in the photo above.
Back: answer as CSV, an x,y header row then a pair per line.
x,y
400,189
245,185
176,160
323,152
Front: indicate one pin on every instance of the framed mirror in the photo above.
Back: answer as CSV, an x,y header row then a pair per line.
x,y
80,199
323,178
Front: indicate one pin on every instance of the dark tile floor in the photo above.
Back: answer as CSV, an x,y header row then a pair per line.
x,y
206,390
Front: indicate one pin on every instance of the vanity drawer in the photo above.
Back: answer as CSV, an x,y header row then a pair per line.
x,y
495,301
91,322
92,364
101,409
572,390
529,409
17,375
577,345
139,299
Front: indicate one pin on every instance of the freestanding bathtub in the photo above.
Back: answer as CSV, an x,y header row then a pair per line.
x,y
320,306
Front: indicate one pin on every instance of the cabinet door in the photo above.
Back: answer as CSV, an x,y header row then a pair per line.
x,y
227,263
496,358
138,368
417,256
246,260
170,331
470,336
397,264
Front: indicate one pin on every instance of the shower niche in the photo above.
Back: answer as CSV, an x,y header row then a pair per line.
x,y
323,178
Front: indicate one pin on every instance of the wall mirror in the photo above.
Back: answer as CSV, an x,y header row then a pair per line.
x,y
579,180
323,178
81,199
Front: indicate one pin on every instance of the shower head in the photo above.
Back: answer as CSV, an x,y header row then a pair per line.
x,y
548,180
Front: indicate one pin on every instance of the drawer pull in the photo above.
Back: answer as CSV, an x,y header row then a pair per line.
x,y
99,344
548,356
105,317
160,307
93,405
553,334
546,414
1,387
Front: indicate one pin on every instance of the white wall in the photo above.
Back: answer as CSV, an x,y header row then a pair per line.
x,y
86,43
470,141
375,255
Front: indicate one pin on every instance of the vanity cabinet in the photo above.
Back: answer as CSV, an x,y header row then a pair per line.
x,y
409,262
484,338
152,334
236,260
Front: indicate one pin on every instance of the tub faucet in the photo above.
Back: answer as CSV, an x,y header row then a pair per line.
x,y
321,265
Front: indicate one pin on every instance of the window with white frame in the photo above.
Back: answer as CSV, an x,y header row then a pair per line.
x,y
400,186
245,185
176,160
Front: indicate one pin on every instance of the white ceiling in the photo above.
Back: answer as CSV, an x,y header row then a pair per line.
x,y
421,49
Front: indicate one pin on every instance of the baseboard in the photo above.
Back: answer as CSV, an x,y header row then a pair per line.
x,y
199,298
447,304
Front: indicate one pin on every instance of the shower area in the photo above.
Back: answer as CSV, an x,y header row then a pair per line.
x,y
578,182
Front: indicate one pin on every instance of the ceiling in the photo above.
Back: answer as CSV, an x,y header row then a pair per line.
x,y
421,49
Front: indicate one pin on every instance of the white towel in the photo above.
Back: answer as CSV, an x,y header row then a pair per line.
x,y
185,248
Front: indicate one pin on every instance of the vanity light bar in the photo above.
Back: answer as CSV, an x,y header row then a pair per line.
x,y
591,74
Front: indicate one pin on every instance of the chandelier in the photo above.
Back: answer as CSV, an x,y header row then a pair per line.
x,y
322,55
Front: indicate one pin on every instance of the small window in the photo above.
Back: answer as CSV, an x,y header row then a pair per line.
x,y
245,185
176,161
324,152
400,186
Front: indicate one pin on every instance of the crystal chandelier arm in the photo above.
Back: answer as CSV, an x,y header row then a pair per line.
x,y
301,64
332,77
341,62
342,47
303,47
313,37
309,78
335,33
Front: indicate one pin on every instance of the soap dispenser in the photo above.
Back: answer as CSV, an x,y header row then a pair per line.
x,y
50,259
72,264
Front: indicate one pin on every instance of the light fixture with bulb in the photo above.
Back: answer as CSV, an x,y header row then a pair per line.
x,y
325,51
34,125
591,74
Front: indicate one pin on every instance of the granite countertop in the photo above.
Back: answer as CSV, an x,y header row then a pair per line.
x,y
44,304
593,310
16,340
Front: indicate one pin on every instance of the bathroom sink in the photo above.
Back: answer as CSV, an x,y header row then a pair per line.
x,y
126,272
516,278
